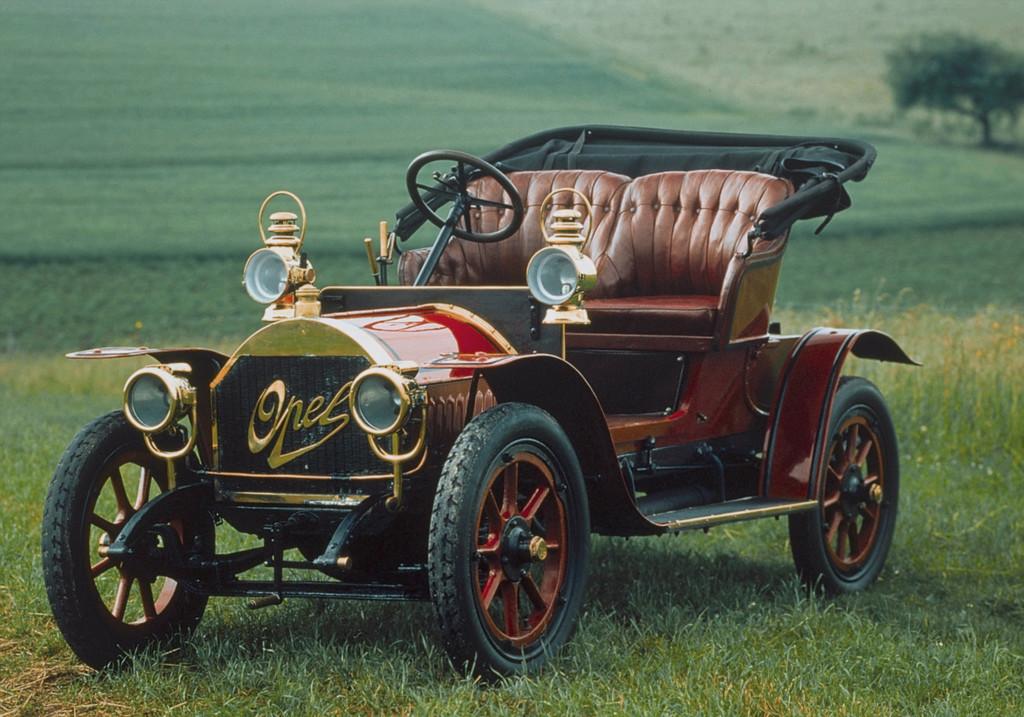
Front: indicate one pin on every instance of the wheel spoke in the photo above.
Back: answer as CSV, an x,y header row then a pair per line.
x,y
101,567
510,601
851,444
489,549
105,525
843,549
533,592
146,596
853,536
493,513
862,454
142,495
837,518
510,498
124,587
873,478
831,500
534,503
117,484
490,587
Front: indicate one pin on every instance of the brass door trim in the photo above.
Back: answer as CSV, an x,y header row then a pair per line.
x,y
703,521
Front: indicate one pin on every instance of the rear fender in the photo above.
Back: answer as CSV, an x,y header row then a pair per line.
x,y
550,383
799,418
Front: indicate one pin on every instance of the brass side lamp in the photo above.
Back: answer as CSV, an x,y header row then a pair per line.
x,y
560,273
272,273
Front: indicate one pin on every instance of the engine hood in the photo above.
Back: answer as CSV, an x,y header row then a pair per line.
x,y
446,342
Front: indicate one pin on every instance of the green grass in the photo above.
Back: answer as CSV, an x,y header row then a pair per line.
x,y
136,141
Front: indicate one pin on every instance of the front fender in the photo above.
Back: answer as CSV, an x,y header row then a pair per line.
x,y
548,382
205,363
799,417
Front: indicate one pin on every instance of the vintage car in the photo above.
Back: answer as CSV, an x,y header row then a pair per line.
x,y
586,347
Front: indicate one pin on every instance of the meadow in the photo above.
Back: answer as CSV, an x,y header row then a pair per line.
x,y
136,142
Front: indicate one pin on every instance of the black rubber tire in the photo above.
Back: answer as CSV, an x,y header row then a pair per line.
x,y
452,540
93,634
855,396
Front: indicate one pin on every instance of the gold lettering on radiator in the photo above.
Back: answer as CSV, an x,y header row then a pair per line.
x,y
280,414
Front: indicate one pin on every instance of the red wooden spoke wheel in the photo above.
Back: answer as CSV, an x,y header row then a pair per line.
x,y
853,492
842,545
521,529
107,608
128,480
509,542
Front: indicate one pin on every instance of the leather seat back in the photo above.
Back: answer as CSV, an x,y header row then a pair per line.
x,y
676,232
504,263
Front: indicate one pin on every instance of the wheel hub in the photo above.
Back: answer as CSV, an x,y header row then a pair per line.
x,y
520,547
851,491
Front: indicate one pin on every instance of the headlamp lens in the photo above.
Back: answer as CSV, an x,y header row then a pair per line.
x,y
552,276
149,401
378,402
265,276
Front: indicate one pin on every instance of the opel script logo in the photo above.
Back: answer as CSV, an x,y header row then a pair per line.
x,y
279,414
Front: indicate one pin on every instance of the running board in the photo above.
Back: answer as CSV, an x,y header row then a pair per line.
x,y
731,511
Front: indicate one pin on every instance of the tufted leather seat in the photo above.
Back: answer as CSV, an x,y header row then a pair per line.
x,y
504,263
661,267
662,243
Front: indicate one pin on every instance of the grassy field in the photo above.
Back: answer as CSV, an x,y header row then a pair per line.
x,y
136,142
826,57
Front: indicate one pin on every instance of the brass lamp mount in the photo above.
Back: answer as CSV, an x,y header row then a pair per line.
x,y
567,224
283,225
284,237
562,258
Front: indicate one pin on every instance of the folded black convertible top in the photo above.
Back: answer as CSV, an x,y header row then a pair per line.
x,y
817,166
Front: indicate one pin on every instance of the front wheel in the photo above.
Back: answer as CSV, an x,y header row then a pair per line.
x,y
106,609
841,545
509,542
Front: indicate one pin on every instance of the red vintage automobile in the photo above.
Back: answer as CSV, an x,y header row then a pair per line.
x,y
586,346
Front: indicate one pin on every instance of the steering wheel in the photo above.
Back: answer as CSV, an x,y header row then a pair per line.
x,y
453,187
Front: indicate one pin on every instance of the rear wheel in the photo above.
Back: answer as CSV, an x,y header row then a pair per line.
x,y
509,542
105,609
841,545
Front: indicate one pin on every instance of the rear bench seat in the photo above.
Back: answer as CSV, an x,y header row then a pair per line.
x,y
661,242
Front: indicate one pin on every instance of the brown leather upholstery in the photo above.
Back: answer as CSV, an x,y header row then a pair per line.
x,y
677,231
668,314
661,266
662,244
504,263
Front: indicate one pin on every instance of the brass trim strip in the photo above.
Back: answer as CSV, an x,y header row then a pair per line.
x,y
702,521
325,499
293,476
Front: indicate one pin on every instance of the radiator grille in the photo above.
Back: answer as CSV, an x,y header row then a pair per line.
x,y
304,378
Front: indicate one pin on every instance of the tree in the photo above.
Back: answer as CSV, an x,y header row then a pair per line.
x,y
955,73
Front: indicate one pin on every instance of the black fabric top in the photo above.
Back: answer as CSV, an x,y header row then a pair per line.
x,y
817,166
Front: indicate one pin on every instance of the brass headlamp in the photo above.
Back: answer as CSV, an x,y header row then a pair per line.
x,y
155,399
382,398
272,273
382,401
560,273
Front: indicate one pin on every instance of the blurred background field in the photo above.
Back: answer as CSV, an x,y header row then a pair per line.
x,y
137,140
